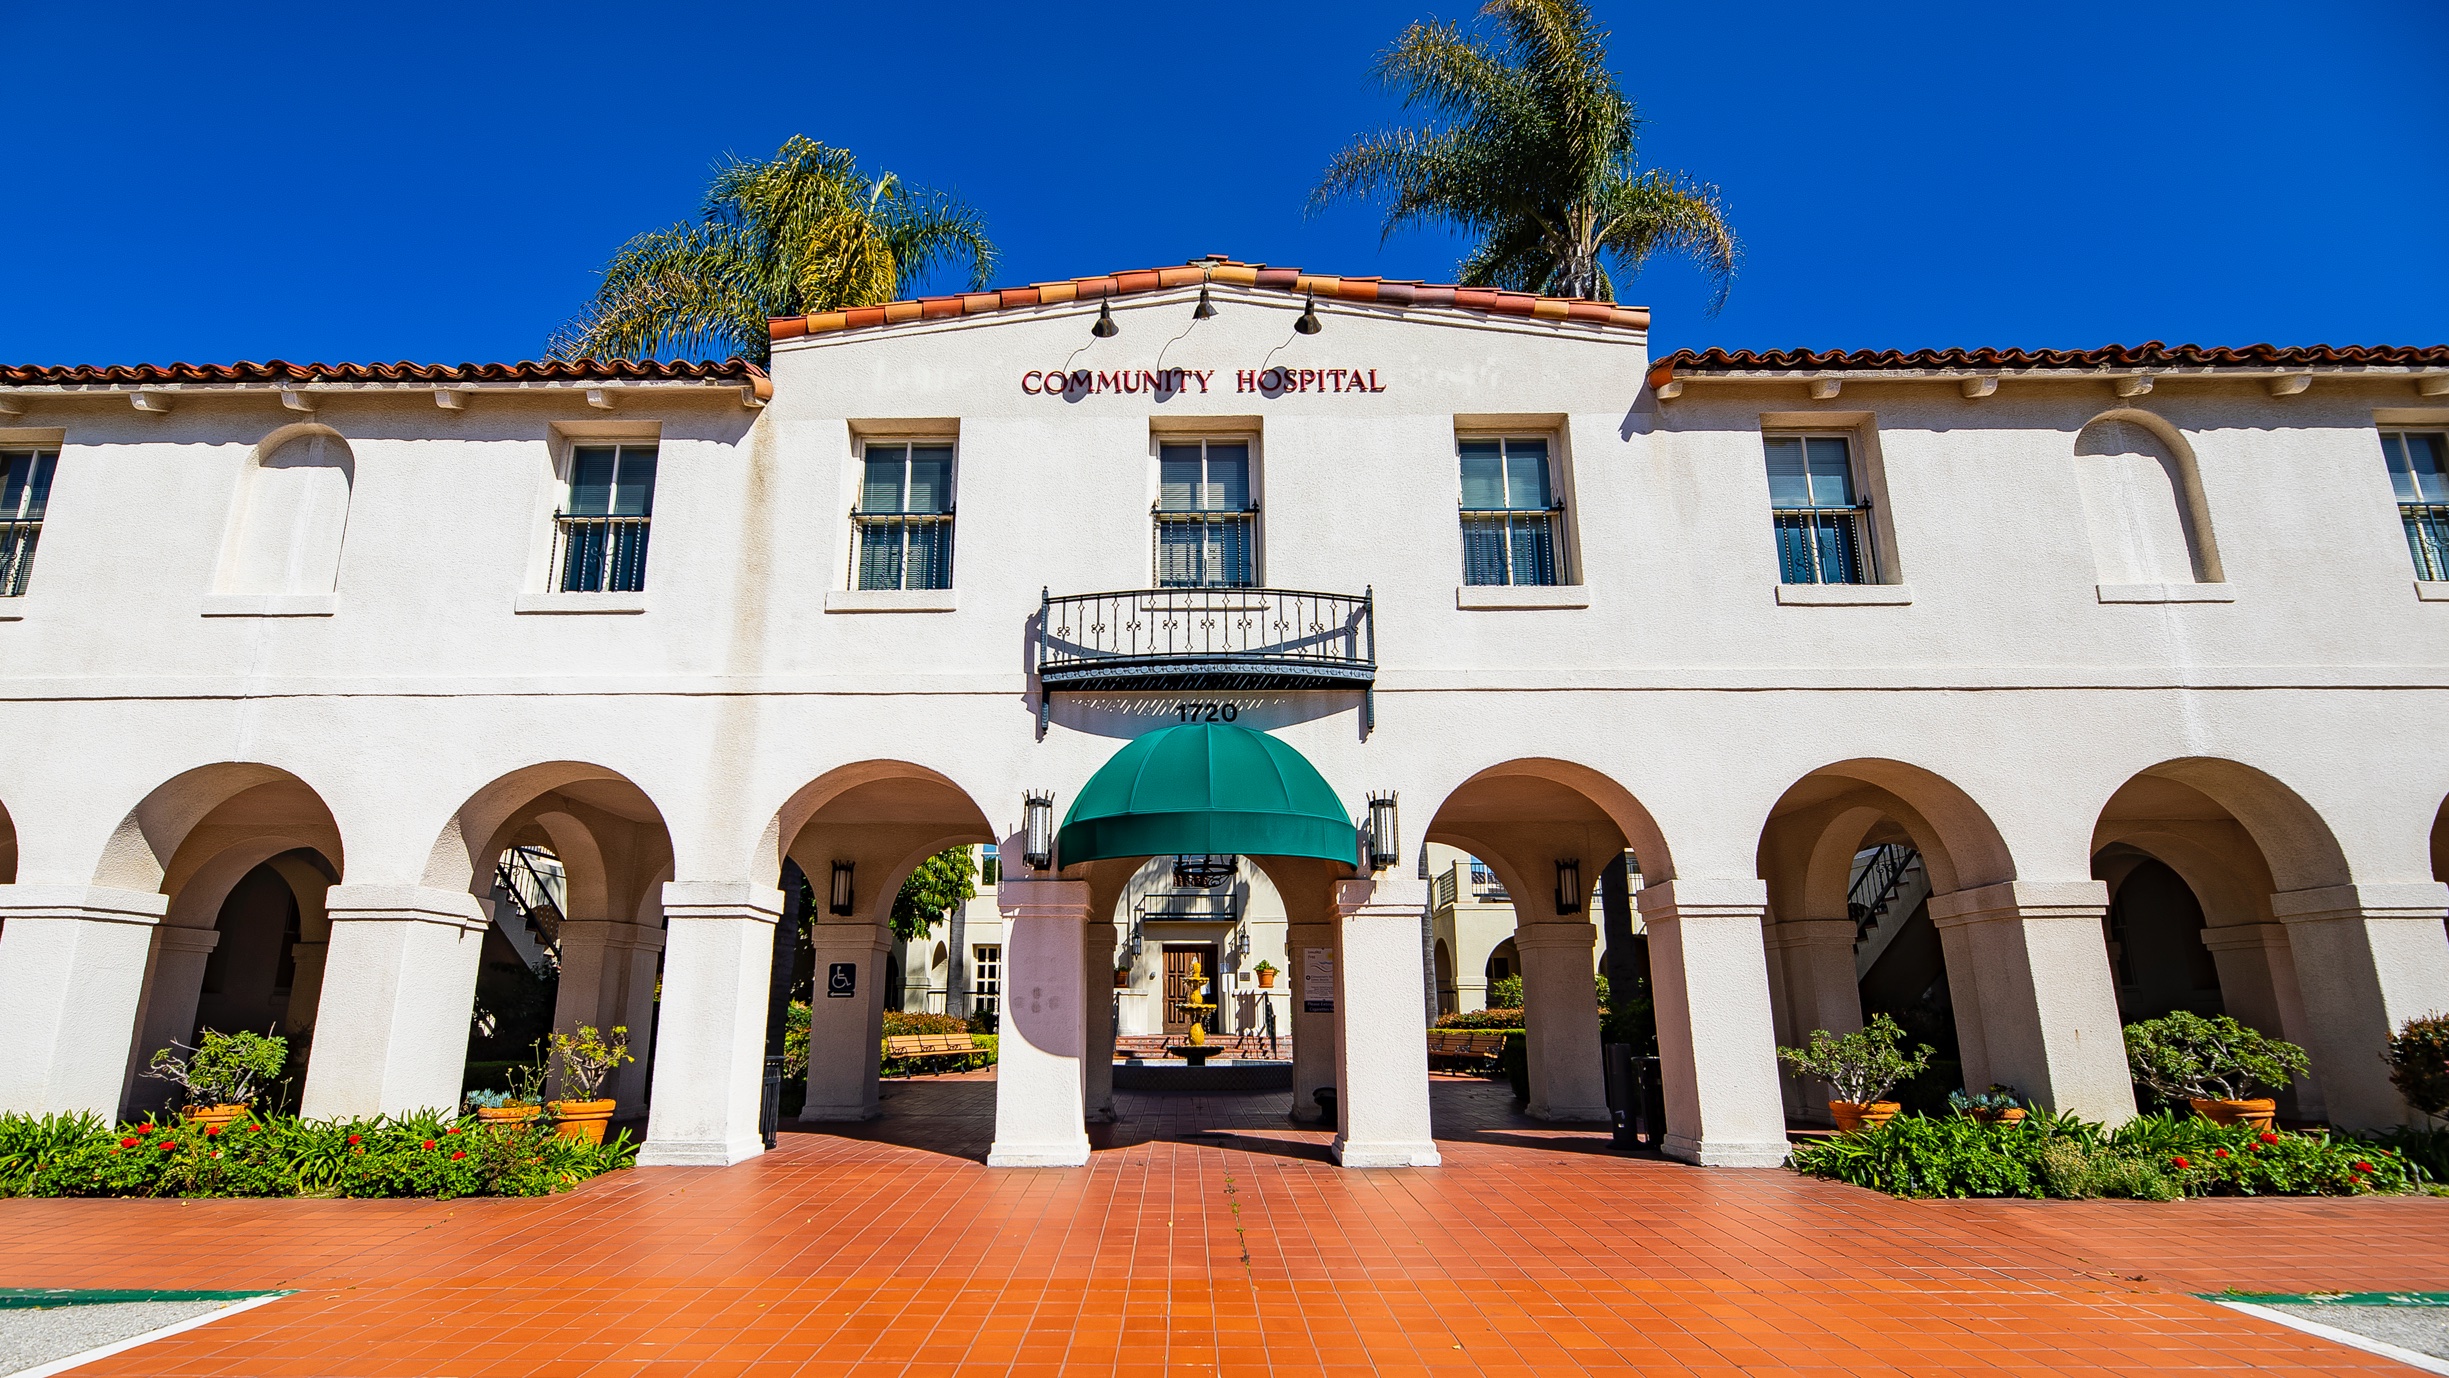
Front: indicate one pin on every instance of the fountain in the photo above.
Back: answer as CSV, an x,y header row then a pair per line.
x,y
1195,1049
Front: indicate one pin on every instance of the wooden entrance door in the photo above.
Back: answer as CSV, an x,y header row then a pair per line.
x,y
1180,987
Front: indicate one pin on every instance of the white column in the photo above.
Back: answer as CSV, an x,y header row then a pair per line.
x,y
1312,1030
1560,999
2257,984
709,1076
1815,959
1097,960
602,984
173,989
2028,970
72,971
1381,1033
846,1032
399,986
305,987
1040,1080
1717,1049
2368,958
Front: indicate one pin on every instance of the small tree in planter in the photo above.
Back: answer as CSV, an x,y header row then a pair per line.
x,y
2418,1060
223,1074
1859,1068
587,1057
2212,1063
1266,971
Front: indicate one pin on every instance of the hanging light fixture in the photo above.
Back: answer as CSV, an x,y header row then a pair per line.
x,y
840,902
1385,831
1104,328
1308,324
1569,886
1204,309
1205,871
1037,829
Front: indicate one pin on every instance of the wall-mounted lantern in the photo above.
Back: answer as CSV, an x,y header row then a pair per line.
x,y
1204,309
1569,886
1385,831
841,900
1037,829
1104,328
1308,324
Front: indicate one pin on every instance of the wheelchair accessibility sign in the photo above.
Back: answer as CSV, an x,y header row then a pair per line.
x,y
842,980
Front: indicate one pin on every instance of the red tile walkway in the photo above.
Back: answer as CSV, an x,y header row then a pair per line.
x,y
1534,1250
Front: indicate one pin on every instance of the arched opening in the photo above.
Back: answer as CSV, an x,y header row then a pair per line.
x,y
291,515
1448,998
2142,502
8,847
2193,852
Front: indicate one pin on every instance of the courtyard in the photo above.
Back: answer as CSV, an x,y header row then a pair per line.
x,y
1207,1235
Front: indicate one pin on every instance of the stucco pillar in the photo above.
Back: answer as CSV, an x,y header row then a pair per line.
x,y
72,971
399,986
846,1031
1717,1047
173,988
1312,1029
308,960
1560,1009
1097,962
2368,958
709,1076
1381,1038
600,985
1040,1079
2257,984
1813,960
2028,970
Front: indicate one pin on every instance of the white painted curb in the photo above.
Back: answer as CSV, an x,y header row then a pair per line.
x,y
58,1366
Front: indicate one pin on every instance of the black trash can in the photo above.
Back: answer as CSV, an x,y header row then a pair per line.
x,y
1325,1096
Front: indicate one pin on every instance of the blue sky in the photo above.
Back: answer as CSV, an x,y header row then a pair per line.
x,y
372,182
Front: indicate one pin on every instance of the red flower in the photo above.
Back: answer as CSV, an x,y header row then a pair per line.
x,y
353,1138
145,1128
127,1143
256,1128
2362,1166
358,1151
428,1144
167,1145
211,1129
460,1154
2269,1138
452,1130
2219,1153
2179,1163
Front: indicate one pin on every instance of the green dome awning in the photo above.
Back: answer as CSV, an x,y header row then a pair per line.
x,y
1206,787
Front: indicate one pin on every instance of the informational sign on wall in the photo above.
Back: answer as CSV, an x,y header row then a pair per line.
x,y
841,980
1318,980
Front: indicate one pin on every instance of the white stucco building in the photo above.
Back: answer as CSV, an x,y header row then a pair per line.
x,y
2132,651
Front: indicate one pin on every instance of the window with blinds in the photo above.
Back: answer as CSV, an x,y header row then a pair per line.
x,y
903,521
1822,537
2419,471
1510,513
25,491
600,544
1206,517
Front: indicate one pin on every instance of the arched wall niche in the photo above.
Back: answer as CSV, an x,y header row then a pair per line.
x,y
8,848
1808,843
290,515
2440,841
2143,504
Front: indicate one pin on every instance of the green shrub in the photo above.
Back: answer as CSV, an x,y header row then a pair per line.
x,y
1481,1019
915,1022
2419,1064
412,1155
1505,993
1859,1066
2425,1150
223,1068
2183,1056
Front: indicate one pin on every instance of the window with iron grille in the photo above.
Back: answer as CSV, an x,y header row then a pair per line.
x,y
1823,536
986,990
600,541
1510,513
25,490
1206,517
2419,470
904,518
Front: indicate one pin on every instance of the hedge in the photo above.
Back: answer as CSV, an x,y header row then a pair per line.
x,y
434,1155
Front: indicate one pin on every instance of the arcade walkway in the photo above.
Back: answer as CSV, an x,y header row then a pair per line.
x,y
1241,1251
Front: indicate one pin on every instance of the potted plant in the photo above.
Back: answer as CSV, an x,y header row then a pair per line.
x,y
1122,975
1998,1105
521,1102
222,1074
1266,971
2213,1064
587,1057
1859,1068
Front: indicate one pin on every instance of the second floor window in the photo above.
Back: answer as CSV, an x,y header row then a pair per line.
x,y
2419,470
1821,538
601,545
1509,513
904,518
1206,519
25,489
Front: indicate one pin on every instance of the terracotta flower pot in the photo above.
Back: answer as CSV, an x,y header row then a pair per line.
x,y
2257,1114
582,1119
2009,1115
1853,1116
1122,979
509,1114
211,1115
1267,980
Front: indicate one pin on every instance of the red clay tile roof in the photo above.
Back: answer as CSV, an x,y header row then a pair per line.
x,y
737,372
2150,354
1218,269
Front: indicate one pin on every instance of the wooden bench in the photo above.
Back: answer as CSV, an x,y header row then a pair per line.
x,y
924,1048
1465,1048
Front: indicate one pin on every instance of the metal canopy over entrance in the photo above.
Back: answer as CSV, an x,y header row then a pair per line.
x,y
1206,787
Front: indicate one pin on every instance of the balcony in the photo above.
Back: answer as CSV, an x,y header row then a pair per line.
x,y
1206,639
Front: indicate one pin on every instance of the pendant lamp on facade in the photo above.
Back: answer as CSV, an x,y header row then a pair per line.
x,y
1104,328
1204,309
1308,324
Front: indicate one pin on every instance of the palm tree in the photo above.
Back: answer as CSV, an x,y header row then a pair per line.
x,y
806,230
1531,153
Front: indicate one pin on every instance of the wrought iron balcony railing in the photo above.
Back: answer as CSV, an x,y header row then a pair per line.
x,y
2427,538
17,542
901,550
1206,639
599,554
1822,545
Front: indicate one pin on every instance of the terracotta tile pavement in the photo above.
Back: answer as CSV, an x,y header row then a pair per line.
x,y
1210,1237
